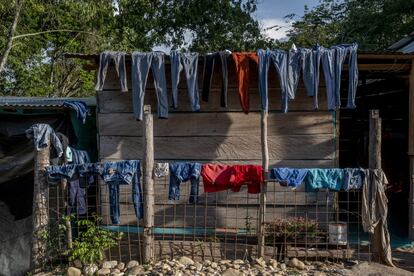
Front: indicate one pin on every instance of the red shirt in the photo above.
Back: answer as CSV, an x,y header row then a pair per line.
x,y
252,175
218,177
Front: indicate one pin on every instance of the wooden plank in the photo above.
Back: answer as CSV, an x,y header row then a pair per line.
x,y
385,56
115,101
396,67
211,217
273,163
218,124
310,147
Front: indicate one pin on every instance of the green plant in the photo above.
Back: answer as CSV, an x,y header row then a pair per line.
x,y
54,236
89,247
292,228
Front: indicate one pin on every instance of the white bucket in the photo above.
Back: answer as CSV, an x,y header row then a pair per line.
x,y
338,233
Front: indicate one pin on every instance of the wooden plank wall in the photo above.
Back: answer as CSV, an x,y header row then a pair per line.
x,y
301,138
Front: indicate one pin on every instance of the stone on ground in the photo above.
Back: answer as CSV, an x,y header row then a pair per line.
x,y
73,271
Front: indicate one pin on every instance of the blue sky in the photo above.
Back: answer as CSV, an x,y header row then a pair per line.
x,y
272,12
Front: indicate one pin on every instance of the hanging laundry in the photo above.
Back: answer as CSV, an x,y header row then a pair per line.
x,y
188,62
77,198
182,172
216,177
126,172
251,175
353,75
375,212
43,135
81,157
332,62
118,58
287,65
80,107
55,174
161,169
290,177
141,64
311,60
354,179
293,67
78,184
209,62
332,179
242,62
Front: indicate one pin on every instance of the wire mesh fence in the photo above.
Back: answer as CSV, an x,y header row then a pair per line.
x,y
320,225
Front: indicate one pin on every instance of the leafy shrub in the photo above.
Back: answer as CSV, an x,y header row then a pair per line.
x,y
89,247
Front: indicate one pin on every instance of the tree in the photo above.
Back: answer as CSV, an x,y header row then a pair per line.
x,y
49,28
373,24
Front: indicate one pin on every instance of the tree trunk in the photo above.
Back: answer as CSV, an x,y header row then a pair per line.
x,y
40,210
4,56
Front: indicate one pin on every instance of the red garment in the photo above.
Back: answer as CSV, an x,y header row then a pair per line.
x,y
216,177
242,62
252,175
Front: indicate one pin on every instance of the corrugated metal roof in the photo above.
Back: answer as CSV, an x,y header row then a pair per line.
x,y
41,101
405,45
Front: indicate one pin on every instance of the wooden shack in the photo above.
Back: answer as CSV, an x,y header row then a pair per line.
x,y
301,138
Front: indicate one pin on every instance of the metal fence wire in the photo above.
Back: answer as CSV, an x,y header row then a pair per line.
x,y
320,225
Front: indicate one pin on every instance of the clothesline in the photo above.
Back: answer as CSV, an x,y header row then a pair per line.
x,y
288,64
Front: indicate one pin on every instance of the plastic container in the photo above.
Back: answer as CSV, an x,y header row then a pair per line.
x,y
338,233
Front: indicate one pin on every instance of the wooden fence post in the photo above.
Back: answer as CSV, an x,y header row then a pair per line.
x,y
374,140
265,164
374,162
411,152
148,185
40,214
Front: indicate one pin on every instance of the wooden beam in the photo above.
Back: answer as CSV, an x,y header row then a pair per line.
x,y
385,56
411,152
265,164
390,67
374,140
148,185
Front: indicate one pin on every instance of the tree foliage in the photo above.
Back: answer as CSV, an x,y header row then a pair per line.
x,y
36,66
373,24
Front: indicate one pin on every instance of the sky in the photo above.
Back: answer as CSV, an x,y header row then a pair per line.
x,y
272,12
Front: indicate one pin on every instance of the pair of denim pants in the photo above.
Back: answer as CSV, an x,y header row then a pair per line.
x,y
182,172
118,59
280,61
311,60
294,65
43,135
127,172
77,198
77,192
332,63
188,62
209,61
141,64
